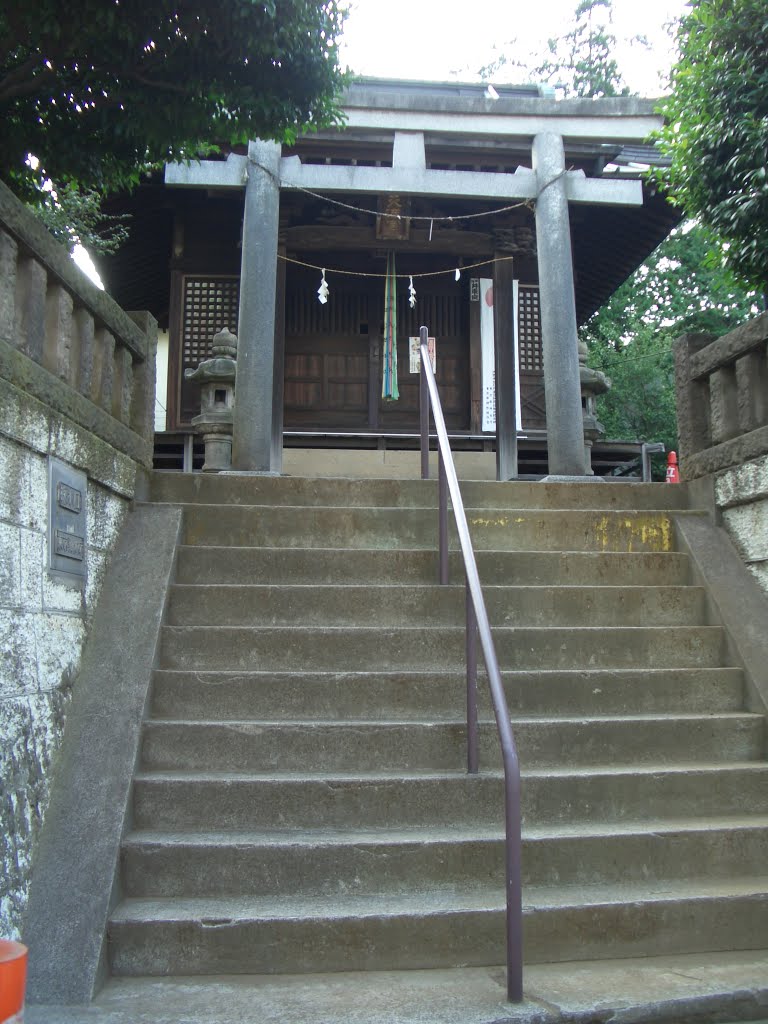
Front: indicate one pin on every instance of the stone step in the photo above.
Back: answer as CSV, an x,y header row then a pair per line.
x,y
693,987
196,800
437,928
200,488
398,695
396,605
204,648
312,745
307,741
243,565
355,862
392,528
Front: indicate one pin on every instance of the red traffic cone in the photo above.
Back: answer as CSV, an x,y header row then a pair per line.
x,y
673,473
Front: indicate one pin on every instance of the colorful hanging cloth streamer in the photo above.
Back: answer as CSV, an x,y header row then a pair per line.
x,y
389,388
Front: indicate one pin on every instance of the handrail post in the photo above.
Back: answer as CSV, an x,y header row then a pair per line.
x,y
473,760
442,489
514,895
424,412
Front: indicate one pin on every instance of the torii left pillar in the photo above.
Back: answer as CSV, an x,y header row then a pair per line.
x,y
562,388
252,447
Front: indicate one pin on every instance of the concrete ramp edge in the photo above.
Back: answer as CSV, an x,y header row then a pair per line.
x,y
737,601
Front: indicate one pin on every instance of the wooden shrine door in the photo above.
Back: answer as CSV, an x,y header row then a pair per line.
x,y
442,306
333,356
327,355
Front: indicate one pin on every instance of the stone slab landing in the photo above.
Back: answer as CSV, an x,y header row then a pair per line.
x,y
663,990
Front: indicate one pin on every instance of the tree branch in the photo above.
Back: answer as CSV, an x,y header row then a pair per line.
x,y
153,83
17,83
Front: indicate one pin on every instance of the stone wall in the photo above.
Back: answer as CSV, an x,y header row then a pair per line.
x,y
722,407
742,496
77,385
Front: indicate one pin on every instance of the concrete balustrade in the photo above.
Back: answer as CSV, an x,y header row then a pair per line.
x,y
722,398
52,314
722,407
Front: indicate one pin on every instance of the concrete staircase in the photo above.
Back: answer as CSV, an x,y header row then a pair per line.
x,y
301,803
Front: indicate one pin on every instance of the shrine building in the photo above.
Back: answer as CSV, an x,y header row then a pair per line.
x,y
501,219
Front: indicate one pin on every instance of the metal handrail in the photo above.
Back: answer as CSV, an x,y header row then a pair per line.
x,y
477,621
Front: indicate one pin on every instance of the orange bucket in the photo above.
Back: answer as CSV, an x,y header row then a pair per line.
x,y
13,979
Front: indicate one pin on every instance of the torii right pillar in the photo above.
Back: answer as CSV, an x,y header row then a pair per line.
x,y
562,390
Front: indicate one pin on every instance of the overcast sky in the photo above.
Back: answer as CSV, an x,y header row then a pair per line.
x,y
435,39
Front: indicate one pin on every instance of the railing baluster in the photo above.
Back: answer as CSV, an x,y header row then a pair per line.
x,y
442,487
424,424
473,759
500,709
514,893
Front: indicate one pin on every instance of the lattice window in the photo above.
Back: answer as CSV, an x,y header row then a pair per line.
x,y
529,329
208,305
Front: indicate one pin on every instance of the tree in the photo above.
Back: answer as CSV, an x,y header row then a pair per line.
x,y
716,129
630,338
74,216
678,287
641,402
580,63
98,90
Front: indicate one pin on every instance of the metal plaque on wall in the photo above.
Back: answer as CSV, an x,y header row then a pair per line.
x,y
67,521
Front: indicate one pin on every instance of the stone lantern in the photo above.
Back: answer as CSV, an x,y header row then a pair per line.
x,y
217,401
593,383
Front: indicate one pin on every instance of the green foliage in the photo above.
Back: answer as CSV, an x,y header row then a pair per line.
x,y
98,90
74,215
679,288
630,338
641,402
716,129
580,62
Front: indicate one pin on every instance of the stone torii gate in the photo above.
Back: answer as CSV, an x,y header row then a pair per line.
x,y
257,440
